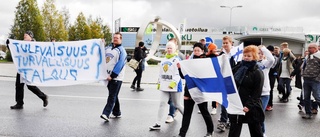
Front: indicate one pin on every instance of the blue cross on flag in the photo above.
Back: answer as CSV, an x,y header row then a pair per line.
x,y
212,80
236,52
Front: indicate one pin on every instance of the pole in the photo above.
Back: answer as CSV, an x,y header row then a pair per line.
x,y
230,17
112,17
239,6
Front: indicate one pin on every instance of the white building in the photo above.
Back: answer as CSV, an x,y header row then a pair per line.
x,y
249,35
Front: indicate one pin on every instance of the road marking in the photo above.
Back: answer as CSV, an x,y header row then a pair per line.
x,y
88,97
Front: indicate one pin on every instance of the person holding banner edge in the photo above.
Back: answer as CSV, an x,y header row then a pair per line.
x,y
116,60
227,46
28,36
198,52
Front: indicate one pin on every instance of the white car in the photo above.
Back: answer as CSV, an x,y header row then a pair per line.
x,y
2,55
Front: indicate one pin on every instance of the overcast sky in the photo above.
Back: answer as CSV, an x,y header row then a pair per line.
x,y
204,13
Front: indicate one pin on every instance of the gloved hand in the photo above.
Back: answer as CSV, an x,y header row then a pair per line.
x,y
172,85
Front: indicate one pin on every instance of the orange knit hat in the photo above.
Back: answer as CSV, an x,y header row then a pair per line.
x,y
212,46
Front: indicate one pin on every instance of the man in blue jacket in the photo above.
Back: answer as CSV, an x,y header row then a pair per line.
x,y
115,59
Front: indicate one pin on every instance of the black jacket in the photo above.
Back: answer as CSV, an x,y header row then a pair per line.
x,y
138,55
297,63
250,92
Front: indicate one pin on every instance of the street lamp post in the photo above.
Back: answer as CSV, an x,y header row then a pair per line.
x,y
239,6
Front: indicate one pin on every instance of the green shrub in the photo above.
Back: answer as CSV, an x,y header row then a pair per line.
x,y
152,62
8,56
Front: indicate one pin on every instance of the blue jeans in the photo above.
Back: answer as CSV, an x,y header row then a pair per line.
x,y
172,108
284,87
113,101
264,100
308,87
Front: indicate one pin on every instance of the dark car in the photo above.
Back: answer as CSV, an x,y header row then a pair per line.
x,y
129,57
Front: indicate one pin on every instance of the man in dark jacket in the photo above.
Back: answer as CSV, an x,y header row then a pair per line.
x,y
28,36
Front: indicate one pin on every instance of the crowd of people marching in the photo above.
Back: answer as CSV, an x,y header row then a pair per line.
x,y
254,76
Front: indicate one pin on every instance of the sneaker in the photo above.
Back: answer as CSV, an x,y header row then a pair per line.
x,y
169,119
17,106
133,87
314,111
213,111
139,89
228,125
264,135
269,108
222,126
284,100
208,135
155,127
103,116
114,116
307,116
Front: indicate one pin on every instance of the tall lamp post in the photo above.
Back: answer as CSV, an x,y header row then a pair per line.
x,y
239,6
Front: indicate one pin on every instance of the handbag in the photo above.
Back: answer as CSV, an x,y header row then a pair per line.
x,y
134,64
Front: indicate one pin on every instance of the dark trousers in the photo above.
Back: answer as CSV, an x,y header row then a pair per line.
x,y
188,109
254,128
284,87
272,81
113,103
137,78
214,104
20,91
224,114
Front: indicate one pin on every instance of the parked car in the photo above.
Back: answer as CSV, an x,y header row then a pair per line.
x,y
129,57
2,55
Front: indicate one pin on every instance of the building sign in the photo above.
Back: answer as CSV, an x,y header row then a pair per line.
x,y
197,30
129,29
312,38
265,29
183,37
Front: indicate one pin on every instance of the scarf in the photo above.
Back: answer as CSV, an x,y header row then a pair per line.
x,y
201,56
245,65
168,56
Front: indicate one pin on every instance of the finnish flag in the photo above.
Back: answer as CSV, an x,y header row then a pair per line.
x,y
237,52
211,79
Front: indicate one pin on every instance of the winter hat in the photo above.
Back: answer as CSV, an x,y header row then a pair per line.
x,y
212,46
270,48
141,44
198,45
29,33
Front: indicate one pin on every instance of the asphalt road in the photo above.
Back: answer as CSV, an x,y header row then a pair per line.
x,y
75,111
